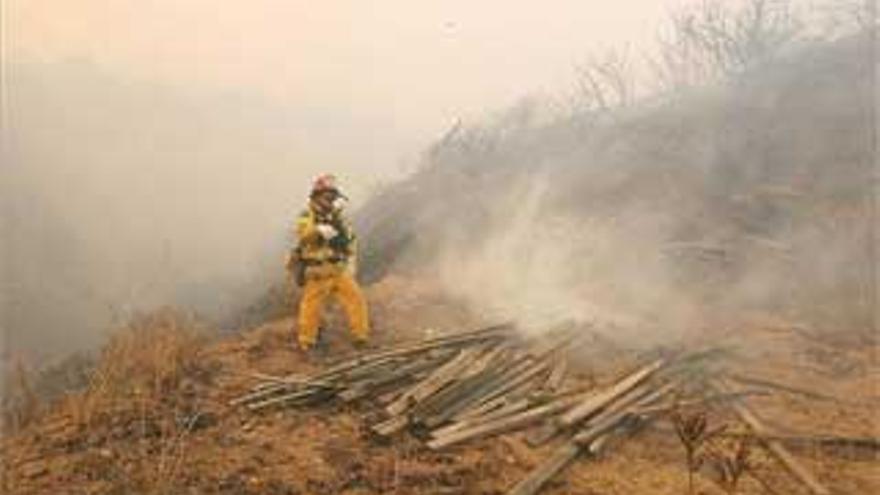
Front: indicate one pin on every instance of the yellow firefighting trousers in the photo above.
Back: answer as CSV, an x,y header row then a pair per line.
x,y
317,289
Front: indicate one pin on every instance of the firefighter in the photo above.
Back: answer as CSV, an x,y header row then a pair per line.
x,y
325,261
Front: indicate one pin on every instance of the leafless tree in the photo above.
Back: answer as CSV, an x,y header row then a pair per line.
x,y
715,39
605,81
840,17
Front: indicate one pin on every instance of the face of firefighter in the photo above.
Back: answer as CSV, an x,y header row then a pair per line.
x,y
325,199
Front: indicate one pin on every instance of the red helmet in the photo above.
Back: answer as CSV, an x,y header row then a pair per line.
x,y
324,182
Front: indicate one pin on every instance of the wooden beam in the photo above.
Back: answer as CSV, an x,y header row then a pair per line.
x,y
506,409
775,447
480,372
403,373
589,441
391,425
507,423
559,460
481,410
610,418
487,333
791,389
441,377
557,374
594,403
517,373
494,381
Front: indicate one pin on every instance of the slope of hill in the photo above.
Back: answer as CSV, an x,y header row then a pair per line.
x,y
752,196
155,418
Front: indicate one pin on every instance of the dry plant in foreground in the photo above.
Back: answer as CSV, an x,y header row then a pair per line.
x,y
135,388
730,462
692,428
139,365
20,403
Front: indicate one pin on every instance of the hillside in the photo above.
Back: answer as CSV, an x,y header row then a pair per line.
x,y
752,195
155,419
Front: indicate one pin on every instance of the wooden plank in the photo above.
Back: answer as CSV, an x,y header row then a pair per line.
x,y
494,380
513,380
589,441
445,389
391,425
360,364
513,376
469,381
261,394
481,410
389,397
559,460
504,327
507,423
434,382
290,397
405,372
594,403
702,401
506,409
378,358
610,418
289,380
496,357
299,383
493,332
280,388
557,374
775,447
292,394
762,382
868,443
638,397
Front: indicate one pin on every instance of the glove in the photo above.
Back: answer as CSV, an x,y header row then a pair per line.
x,y
327,231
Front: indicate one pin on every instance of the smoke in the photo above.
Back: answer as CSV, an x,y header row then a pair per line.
x,y
121,195
748,199
539,264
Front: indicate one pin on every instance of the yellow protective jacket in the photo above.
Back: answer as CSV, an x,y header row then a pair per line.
x,y
318,254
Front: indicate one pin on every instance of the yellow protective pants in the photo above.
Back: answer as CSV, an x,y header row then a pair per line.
x,y
316,291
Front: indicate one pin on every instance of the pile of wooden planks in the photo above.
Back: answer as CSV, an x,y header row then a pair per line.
x,y
457,388
374,374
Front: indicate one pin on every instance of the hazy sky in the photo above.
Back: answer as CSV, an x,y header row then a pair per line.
x,y
157,150
408,67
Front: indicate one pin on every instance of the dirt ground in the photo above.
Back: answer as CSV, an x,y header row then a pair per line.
x,y
191,442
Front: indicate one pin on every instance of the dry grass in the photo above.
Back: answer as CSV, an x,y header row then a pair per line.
x,y
20,402
154,420
127,429
730,461
139,365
